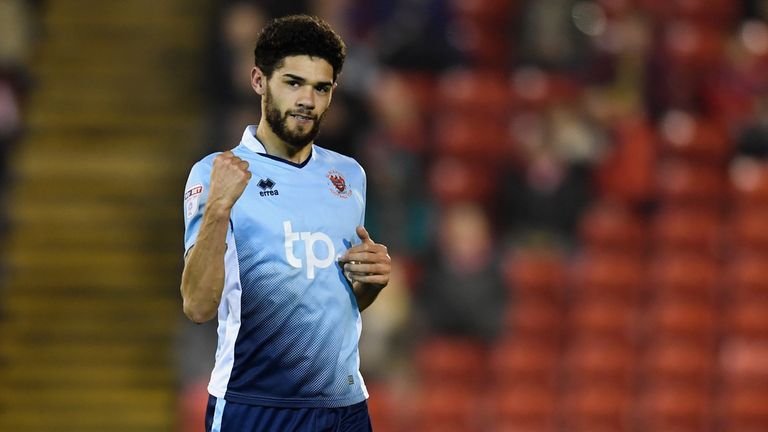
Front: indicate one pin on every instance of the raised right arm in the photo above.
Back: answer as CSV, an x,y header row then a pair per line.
x,y
202,281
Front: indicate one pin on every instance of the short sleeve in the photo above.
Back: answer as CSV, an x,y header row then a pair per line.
x,y
195,196
363,192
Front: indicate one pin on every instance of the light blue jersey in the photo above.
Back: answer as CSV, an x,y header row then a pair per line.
x,y
289,324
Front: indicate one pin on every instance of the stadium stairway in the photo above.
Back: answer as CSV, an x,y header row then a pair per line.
x,y
90,300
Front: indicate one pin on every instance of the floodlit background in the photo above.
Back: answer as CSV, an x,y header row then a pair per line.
x,y
574,194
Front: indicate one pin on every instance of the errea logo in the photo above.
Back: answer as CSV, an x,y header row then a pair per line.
x,y
267,187
309,238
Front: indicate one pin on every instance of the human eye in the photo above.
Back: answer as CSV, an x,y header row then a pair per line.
x,y
323,89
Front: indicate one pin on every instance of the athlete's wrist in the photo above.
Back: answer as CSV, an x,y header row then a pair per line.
x,y
218,210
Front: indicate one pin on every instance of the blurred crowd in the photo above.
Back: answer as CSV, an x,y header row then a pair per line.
x,y
572,192
19,31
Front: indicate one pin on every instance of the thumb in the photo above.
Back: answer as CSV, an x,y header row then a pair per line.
x,y
363,234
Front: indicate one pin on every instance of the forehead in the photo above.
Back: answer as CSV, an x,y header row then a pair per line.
x,y
310,68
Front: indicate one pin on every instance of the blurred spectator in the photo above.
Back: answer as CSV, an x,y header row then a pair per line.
x,y
385,329
548,37
406,34
552,183
462,292
229,63
753,139
397,203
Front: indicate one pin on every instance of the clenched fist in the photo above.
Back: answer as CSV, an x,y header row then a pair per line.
x,y
229,178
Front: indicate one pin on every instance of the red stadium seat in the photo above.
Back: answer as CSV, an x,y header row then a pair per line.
x,y
538,320
603,320
611,227
685,183
690,365
692,229
671,408
745,363
451,361
517,361
523,408
688,137
747,230
693,46
537,275
452,180
474,92
590,362
689,321
597,408
599,276
747,278
748,319
484,10
478,138
685,277
440,407
744,409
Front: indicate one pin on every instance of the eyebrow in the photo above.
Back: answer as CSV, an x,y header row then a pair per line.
x,y
302,80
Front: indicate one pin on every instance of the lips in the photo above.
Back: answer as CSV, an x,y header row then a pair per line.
x,y
302,117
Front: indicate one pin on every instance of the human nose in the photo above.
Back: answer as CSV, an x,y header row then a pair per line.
x,y
306,98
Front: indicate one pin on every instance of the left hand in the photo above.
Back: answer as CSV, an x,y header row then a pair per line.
x,y
367,263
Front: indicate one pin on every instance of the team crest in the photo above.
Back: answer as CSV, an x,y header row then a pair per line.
x,y
339,185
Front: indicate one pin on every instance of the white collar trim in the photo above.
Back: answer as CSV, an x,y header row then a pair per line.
x,y
250,141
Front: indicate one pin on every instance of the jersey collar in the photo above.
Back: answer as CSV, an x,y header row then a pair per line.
x,y
251,142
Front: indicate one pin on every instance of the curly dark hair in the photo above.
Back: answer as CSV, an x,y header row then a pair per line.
x,y
298,35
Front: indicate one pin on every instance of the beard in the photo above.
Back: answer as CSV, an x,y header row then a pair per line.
x,y
278,122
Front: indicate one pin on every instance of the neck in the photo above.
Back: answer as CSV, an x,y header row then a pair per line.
x,y
277,147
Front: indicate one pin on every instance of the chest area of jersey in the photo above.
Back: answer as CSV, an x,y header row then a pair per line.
x,y
304,221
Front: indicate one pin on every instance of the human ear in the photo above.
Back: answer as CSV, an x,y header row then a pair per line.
x,y
258,81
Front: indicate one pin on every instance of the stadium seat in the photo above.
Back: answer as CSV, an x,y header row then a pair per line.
x,y
473,92
384,411
685,277
747,278
743,409
453,180
748,319
539,320
517,361
594,362
691,229
685,136
692,46
477,138
603,320
536,275
694,322
678,363
611,227
686,183
596,408
599,276
744,363
747,231
440,407
673,408
523,408
451,361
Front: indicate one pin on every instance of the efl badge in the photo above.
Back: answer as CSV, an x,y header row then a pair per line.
x,y
192,200
338,184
